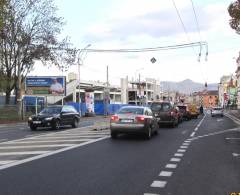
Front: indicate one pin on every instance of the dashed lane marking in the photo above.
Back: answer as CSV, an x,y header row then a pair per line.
x,y
178,154
186,144
175,159
236,154
181,150
150,194
171,166
158,184
166,174
192,135
50,140
184,147
233,138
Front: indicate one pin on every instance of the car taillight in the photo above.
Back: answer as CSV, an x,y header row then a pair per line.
x,y
171,113
140,119
114,118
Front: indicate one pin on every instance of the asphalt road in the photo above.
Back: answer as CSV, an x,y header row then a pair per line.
x,y
199,157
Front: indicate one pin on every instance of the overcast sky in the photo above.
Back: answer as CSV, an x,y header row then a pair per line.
x,y
114,24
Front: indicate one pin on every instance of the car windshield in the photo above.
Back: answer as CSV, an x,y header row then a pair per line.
x,y
160,107
51,110
130,110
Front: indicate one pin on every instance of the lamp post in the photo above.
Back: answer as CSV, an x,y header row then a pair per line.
x,y
79,64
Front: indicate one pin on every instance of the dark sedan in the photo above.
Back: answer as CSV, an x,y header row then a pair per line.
x,y
133,119
55,117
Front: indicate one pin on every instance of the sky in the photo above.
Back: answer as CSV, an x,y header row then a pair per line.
x,y
114,24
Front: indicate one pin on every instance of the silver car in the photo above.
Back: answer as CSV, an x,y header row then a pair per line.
x,y
133,119
217,111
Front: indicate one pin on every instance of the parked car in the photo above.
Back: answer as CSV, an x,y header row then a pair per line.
x,y
133,119
165,112
54,117
185,111
217,111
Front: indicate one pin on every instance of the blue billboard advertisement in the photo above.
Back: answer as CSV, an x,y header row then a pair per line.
x,y
42,85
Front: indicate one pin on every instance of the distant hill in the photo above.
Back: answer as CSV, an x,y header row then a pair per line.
x,y
186,86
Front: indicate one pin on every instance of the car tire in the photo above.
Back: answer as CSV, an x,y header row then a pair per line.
x,y
33,127
222,115
75,123
56,125
113,135
149,133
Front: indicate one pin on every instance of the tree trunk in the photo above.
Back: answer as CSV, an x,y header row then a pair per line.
x,y
7,97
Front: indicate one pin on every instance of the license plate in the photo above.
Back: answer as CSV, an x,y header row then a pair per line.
x,y
126,120
156,114
36,122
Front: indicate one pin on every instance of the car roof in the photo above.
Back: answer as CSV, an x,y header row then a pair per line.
x,y
135,107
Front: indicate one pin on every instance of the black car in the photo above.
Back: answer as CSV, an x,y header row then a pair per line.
x,y
54,117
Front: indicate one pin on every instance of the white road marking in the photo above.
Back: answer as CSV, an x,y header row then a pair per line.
x,y
49,153
37,146
184,132
165,174
181,150
186,144
171,166
184,147
158,184
3,162
192,135
22,153
216,133
47,141
235,154
187,141
233,138
175,159
219,120
196,129
150,194
3,140
178,154
65,137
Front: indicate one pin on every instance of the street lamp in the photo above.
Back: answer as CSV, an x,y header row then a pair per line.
x,y
80,52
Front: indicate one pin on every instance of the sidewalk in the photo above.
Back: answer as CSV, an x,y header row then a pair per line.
x,y
234,115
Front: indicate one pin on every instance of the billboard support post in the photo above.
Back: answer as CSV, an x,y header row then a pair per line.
x,y
36,105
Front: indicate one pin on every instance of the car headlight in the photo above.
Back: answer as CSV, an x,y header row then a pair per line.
x,y
30,118
49,118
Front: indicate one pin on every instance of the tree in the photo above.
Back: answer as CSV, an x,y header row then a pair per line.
x,y
29,33
234,12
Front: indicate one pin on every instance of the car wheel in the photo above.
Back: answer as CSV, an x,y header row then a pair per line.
x,y
75,123
222,115
56,125
113,135
33,127
149,133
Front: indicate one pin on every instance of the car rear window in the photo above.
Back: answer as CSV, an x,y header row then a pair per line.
x,y
182,107
160,106
130,110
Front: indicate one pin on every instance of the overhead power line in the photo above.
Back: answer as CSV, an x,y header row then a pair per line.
x,y
196,20
151,49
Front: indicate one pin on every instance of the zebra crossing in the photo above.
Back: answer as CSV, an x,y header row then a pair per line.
x,y
27,149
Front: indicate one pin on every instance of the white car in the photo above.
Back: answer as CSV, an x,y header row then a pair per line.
x,y
217,111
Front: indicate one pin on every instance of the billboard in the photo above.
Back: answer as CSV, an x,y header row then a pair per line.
x,y
43,85
89,99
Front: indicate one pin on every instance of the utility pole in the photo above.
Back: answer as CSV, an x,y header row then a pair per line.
x,y
107,94
139,77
